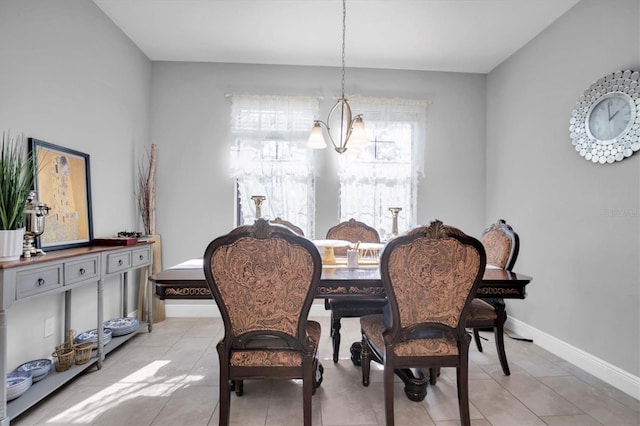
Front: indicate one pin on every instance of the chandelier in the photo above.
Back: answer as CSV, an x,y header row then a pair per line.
x,y
350,130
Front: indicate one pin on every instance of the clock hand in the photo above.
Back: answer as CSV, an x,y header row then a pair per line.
x,y
609,110
614,114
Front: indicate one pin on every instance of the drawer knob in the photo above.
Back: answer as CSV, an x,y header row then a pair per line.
x,y
120,262
141,257
40,282
81,271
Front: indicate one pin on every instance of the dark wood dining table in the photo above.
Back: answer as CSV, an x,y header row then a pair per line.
x,y
187,281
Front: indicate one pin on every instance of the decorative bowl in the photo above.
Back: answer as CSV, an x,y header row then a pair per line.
x,y
17,383
92,336
122,326
39,368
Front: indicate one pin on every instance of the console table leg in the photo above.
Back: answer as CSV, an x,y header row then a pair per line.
x,y
149,304
125,294
67,311
4,417
100,343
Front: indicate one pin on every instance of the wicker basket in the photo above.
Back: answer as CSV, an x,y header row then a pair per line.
x,y
83,352
68,343
63,358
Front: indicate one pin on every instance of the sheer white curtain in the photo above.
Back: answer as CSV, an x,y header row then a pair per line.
x,y
385,173
269,157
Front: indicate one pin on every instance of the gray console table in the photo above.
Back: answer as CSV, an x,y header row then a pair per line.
x,y
57,272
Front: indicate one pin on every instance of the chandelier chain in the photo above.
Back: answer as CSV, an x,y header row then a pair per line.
x,y
344,30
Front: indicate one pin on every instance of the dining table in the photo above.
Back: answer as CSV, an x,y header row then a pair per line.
x,y
186,280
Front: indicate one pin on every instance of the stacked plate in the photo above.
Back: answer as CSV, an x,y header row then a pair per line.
x,y
122,326
92,336
17,383
38,368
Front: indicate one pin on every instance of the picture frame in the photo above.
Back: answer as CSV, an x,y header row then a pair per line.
x,y
63,183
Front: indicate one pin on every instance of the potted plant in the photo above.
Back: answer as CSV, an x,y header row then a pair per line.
x,y
16,182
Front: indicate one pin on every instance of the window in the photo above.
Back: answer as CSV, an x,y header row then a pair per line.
x,y
385,173
269,157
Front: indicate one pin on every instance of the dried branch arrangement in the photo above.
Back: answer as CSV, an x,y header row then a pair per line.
x,y
145,192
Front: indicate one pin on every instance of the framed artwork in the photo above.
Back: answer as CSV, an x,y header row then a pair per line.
x,y
63,183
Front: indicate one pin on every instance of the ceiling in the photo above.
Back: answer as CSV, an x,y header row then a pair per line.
x,y
434,35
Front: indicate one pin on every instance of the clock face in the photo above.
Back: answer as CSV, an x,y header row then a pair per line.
x,y
605,124
610,117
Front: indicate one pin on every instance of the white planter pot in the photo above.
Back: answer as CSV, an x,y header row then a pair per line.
x,y
11,244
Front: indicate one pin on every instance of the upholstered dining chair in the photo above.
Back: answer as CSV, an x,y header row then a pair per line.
x,y
352,231
501,244
430,276
263,278
288,224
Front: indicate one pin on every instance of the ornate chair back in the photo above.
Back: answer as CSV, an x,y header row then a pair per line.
x,y
430,276
501,244
289,225
352,231
263,277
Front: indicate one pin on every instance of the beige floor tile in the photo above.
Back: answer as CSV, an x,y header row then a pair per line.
x,y
189,406
601,407
286,405
347,402
251,408
579,420
474,422
441,401
539,398
602,387
498,406
538,366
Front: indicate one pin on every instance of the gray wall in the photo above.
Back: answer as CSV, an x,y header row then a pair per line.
x,y
579,222
190,120
70,77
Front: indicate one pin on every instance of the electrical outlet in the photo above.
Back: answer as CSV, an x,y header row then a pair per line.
x,y
49,326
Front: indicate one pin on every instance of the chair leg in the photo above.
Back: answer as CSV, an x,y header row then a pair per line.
x,y
307,391
335,335
225,399
365,362
388,395
498,331
239,387
462,377
476,337
433,375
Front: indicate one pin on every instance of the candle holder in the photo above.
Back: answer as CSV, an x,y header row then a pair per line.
x,y
394,220
258,199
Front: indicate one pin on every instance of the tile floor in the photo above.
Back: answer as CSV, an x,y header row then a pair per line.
x,y
170,377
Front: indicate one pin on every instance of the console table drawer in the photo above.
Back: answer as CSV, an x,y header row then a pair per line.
x,y
141,257
82,270
40,280
118,262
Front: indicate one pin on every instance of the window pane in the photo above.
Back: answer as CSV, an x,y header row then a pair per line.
x,y
269,157
384,174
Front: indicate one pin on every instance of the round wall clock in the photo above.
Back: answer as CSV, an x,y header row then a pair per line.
x,y
605,124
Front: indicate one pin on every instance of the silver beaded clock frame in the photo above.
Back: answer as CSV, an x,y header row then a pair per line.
x,y
605,124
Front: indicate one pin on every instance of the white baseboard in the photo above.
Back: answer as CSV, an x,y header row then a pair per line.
x,y
608,373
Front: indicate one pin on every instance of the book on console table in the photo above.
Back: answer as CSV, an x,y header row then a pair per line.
x,y
116,241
